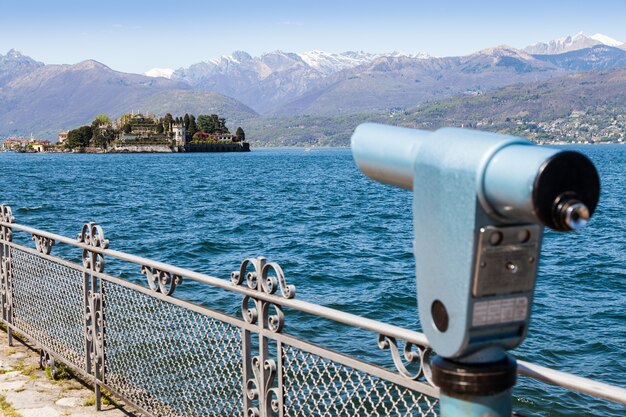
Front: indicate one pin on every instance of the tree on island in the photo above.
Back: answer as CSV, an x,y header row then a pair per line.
x,y
168,121
212,124
241,135
101,119
79,138
193,128
102,131
205,124
221,125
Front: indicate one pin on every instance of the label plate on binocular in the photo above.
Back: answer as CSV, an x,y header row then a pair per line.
x,y
506,260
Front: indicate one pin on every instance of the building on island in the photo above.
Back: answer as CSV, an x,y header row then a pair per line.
x,y
149,133
136,132
179,133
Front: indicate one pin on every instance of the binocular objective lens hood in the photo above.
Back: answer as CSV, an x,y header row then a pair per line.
x,y
566,191
535,184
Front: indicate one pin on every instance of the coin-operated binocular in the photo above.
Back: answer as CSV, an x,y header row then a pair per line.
x,y
480,202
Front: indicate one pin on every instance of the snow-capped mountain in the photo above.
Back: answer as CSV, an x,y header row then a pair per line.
x,y
324,63
329,63
276,77
572,43
160,72
606,40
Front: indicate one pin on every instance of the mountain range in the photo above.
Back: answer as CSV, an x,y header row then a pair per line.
x,y
50,98
46,98
580,106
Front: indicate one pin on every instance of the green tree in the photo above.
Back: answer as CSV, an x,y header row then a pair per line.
x,y
186,120
193,128
205,123
168,120
102,119
212,124
127,129
79,138
159,128
102,136
102,131
221,125
241,135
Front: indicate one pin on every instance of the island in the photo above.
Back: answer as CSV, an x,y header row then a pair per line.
x,y
143,133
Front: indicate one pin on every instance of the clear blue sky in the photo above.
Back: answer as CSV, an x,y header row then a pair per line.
x,y
136,35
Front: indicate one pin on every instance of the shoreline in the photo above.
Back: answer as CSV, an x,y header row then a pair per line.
x,y
27,390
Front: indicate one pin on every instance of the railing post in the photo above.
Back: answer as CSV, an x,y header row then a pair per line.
x,y
246,356
93,262
263,383
6,286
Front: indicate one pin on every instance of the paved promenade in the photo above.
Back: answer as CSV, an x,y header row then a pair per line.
x,y
26,391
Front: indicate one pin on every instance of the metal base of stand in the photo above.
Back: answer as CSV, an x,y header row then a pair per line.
x,y
475,390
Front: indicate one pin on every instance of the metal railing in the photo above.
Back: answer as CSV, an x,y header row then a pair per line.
x,y
166,356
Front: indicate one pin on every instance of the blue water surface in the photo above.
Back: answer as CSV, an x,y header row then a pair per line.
x,y
342,239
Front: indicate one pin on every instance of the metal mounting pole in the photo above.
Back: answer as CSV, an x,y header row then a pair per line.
x,y
475,390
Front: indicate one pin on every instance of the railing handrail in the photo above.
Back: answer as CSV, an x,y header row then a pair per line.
x,y
572,382
538,372
300,305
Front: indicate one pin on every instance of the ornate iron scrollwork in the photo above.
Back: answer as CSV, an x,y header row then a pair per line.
x,y
6,216
271,395
43,244
269,283
266,278
93,235
95,327
161,281
421,357
46,360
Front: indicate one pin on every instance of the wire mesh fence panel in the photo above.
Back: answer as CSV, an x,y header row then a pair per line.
x,y
318,387
169,360
48,304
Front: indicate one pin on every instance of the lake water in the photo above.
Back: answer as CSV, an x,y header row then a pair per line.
x,y
342,239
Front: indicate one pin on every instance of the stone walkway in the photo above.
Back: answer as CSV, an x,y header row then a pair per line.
x,y
26,391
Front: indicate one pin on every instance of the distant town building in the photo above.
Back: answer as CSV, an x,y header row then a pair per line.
x,y
25,145
40,145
